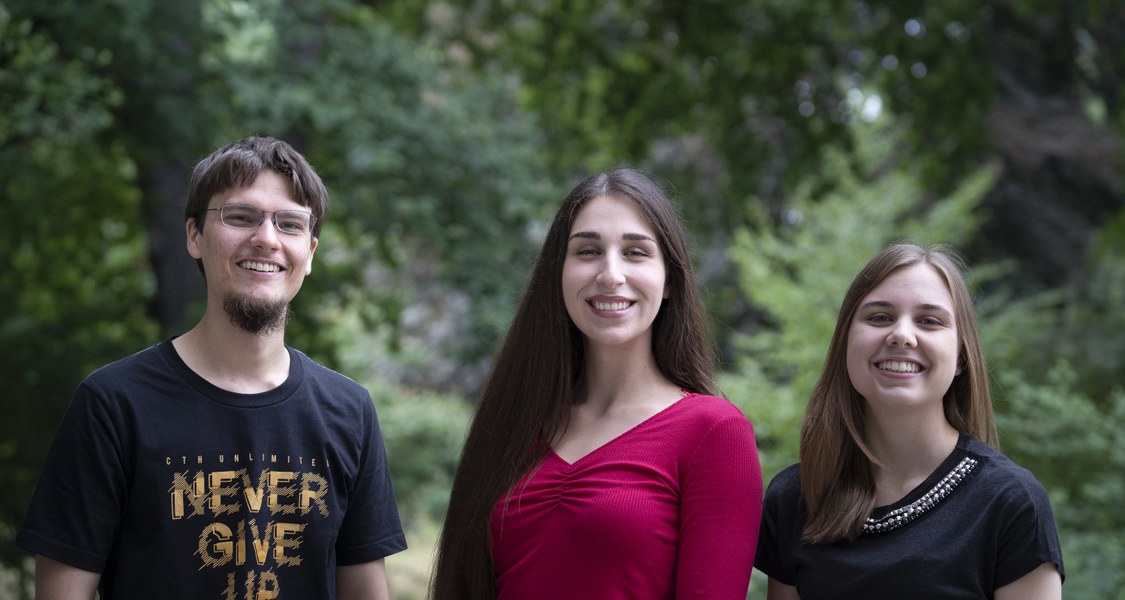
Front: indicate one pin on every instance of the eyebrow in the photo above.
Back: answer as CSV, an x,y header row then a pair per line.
x,y
925,307
593,235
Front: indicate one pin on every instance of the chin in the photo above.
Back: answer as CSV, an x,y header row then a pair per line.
x,y
256,315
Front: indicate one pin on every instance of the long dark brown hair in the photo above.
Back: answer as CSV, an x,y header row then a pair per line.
x,y
837,465
527,397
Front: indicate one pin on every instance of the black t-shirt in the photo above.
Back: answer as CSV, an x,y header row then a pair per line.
x,y
993,525
174,488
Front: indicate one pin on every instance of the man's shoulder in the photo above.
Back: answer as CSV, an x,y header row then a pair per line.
x,y
319,374
128,366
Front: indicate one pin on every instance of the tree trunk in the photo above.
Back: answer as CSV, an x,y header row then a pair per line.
x,y
179,284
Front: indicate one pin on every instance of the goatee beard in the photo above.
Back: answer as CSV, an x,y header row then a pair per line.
x,y
257,316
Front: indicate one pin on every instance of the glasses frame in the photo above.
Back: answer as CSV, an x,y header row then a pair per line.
x,y
262,217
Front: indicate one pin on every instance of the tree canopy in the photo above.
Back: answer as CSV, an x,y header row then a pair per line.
x,y
799,137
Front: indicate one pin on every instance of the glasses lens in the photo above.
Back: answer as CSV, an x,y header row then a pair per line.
x,y
293,221
241,216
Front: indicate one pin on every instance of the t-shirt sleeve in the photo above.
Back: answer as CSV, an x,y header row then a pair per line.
x,y
720,511
774,555
78,503
1027,537
371,528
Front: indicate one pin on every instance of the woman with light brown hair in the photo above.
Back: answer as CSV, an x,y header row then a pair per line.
x,y
901,491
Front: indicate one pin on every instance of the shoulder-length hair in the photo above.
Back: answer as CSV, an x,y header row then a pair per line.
x,y
527,397
837,465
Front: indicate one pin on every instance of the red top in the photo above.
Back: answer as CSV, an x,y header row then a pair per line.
x,y
668,509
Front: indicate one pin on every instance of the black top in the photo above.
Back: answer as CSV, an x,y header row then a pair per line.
x,y
174,488
979,522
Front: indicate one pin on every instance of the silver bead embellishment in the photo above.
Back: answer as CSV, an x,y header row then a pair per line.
x,y
905,514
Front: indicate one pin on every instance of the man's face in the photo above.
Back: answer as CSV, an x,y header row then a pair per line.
x,y
259,267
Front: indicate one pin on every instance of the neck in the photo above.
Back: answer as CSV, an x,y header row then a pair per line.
x,y
614,379
234,359
908,451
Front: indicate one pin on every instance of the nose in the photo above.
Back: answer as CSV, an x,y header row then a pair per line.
x,y
265,234
612,273
902,334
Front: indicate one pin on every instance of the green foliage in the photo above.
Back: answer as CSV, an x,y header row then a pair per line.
x,y
797,276
45,95
1055,356
448,131
62,317
1060,401
617,81
74,286
1075,445
423,432
924,59
436,178
1093,329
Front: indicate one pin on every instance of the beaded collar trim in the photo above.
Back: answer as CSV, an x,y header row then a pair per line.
x,y
905,514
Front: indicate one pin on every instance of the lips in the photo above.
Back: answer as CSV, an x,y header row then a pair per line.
x,y
260,267
610,306
899,366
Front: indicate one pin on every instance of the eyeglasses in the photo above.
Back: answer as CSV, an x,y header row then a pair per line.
x,y
244,216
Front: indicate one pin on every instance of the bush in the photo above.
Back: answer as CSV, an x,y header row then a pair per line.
x,y
423,432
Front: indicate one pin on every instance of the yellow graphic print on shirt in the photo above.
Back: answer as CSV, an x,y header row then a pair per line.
x,y
263,538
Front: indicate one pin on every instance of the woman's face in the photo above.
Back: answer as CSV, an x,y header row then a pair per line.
x,y
903,341
613,278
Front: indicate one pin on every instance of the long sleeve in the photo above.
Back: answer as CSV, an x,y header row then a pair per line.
x,y
720,513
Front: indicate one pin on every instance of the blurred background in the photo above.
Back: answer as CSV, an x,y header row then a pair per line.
x,y
798,137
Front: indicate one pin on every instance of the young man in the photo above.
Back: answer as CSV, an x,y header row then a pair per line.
x,y
222,464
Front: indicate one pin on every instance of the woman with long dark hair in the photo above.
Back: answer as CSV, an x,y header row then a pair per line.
x,y
600,462
901,491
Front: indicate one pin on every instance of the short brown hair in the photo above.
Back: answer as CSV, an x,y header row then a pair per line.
x,y
239,163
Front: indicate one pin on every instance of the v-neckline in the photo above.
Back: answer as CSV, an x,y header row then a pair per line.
x,y
622,435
